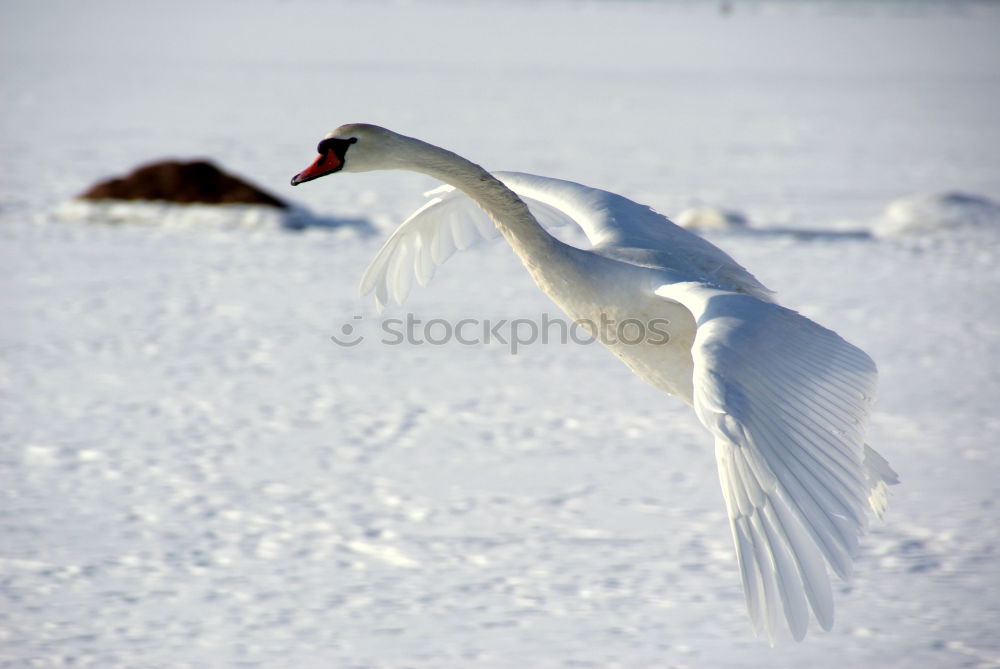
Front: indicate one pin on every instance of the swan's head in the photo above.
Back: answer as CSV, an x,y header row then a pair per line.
x,y
355,147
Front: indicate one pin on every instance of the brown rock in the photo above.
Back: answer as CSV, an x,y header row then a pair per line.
x,y
183,182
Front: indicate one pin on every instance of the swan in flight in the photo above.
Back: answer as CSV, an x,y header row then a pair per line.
x,y
785,399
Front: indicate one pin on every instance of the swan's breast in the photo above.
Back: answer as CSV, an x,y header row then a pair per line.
x,y
612,301
653,337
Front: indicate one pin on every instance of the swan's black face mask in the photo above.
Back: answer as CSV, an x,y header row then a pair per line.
x,y
332,153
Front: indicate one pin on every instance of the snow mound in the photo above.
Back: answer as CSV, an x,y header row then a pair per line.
x,y
710,218
920,214
174,215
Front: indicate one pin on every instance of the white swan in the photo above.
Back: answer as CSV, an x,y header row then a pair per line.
x,y
785,398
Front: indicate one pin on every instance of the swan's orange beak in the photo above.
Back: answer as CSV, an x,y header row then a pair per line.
x,y
326,163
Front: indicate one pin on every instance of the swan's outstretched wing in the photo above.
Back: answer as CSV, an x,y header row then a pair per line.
x,y
614,225
449,221
423,241
625,230
787,401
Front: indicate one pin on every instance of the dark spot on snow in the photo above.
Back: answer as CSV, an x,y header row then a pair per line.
x,y
195,182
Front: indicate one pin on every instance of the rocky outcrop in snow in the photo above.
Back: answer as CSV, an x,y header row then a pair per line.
x,y
194,182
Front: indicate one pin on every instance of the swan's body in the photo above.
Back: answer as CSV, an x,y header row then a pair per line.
x,y
785,398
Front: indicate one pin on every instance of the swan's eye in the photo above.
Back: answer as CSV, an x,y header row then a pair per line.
x,y
335,144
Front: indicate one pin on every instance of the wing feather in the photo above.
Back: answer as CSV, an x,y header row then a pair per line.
x,y
763,560
424,263
442,243
753,585
401,272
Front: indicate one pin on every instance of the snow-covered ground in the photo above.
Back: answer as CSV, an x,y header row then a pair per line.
x,y
194,474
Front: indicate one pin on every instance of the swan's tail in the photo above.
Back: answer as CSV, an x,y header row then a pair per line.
x,y
879,475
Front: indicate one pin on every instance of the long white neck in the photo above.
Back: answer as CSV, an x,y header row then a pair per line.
x,y
516,223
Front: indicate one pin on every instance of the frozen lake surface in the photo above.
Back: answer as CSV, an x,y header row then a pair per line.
x,y
195,475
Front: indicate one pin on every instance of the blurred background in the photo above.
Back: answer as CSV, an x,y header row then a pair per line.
x,y
857,102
